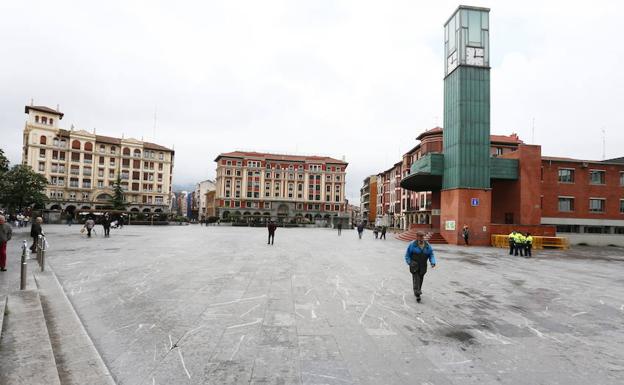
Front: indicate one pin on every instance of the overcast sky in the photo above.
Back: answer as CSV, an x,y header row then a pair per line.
x,y
359,79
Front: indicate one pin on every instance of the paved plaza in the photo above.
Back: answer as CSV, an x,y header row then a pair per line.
x,y
217,305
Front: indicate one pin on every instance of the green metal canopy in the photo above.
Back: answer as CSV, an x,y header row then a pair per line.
x,y
426,174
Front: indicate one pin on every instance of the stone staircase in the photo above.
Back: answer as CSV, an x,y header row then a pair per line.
x,y
433,237
43,341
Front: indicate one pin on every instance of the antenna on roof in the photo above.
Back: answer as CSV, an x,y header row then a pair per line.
x,y
533,132
71,128
154,134
604,142
58,108
32,101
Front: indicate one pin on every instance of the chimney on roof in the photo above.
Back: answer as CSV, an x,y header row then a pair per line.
x,y
58,108
71,128
32,101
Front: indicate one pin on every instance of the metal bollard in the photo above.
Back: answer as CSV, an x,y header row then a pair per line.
x,y
24,266
38,249
43,252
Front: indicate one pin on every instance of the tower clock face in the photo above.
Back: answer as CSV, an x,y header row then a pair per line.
x,y
475,56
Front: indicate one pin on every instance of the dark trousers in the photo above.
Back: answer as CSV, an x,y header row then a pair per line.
x,y
417,281
360,234
383,235
519,248
339,230
271,238
3,256
466,239
89,232
107,231
527,250
33,247
511,248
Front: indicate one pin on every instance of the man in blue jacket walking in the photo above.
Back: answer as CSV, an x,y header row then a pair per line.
x,y
416,256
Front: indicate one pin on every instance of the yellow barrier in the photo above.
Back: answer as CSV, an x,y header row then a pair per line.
x,y
539,242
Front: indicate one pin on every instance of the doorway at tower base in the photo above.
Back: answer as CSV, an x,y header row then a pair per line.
x,y
466,207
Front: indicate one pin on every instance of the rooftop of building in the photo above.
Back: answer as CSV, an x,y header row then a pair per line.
x,y
279,157
512,139
44,109
615,161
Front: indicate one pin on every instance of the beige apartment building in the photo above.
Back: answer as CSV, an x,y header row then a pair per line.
x,y
81,167
255,185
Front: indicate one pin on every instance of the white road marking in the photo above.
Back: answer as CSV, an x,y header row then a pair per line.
x,y
458,363
367,307
258,320
579,313
326,376
237,347
248,311
236,301
183,364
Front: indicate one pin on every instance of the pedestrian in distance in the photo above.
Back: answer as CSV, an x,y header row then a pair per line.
x,y
360,229
376,232
339,227
35,232
271,227
6,232
89,225
106,224
120,222
383,232
418,253
465,234
528,245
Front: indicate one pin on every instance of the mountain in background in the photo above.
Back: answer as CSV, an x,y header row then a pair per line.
x,y
183,187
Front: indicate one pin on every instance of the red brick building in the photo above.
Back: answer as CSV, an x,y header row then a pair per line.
x,y
253,186
580,199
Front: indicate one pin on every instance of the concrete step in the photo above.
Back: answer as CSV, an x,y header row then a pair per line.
x,y
26,355
77,359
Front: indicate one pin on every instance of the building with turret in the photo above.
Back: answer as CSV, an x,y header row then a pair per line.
x,y
81,167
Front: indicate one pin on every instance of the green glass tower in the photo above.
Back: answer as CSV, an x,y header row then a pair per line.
x,y
467,100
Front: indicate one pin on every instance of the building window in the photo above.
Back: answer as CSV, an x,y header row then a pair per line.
x,y
76,145
596,177
42,153
596,205
566,175
42,166
137,153
621,206
596,230
44,120
42,139
499,151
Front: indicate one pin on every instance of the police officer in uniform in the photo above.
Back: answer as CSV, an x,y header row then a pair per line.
x,y
519,242
512,237
528,245
417,254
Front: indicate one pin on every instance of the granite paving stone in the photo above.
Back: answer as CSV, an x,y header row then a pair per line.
x,y
217,305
